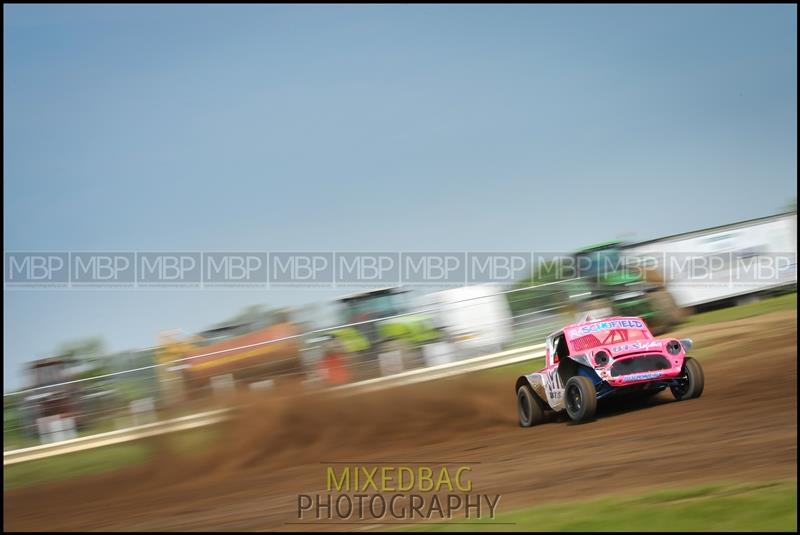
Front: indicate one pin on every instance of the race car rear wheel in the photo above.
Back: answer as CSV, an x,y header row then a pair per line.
x,y
580,398
690,385
529,407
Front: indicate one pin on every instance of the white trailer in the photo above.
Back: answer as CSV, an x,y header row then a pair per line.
x,y
738,260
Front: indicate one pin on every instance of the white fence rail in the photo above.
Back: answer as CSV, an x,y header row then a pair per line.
x,y
113,437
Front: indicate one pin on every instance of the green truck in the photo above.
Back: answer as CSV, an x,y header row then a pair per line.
x,y
376,322
627,289
597,280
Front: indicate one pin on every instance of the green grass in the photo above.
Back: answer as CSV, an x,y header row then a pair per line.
x,y
722,507
76,464
103,459
765,306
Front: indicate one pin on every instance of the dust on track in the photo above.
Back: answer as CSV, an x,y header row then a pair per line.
x,y
743,428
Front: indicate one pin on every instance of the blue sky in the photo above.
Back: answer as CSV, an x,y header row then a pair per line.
x,y
407,128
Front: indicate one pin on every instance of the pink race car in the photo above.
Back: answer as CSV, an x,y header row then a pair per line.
x,y
592,360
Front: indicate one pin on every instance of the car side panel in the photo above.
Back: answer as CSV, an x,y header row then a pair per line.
x,y
548,386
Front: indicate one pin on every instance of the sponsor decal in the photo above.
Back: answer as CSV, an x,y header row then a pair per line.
x,y
607,325
633,346
641,376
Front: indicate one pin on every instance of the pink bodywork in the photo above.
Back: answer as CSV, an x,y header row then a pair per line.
x,y
621,338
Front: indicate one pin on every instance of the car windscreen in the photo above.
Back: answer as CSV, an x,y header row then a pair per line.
x,y
611,336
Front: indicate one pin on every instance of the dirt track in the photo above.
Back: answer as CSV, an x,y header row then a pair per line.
x,y
743,428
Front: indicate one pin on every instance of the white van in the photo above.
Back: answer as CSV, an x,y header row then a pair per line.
x,y
474,320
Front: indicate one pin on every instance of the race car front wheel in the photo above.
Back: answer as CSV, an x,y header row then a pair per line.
x,y
529,407
580,398
690,385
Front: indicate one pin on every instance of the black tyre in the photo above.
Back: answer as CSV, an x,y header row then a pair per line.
x,y
529,407
690,385
580,398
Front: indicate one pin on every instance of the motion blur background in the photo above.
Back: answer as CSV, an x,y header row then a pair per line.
x,y
601,134
292,128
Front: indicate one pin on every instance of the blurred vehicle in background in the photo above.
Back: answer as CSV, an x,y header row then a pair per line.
x,y
230,354
599,281
730,263
379,335
472,319
56,395
385,332
659,280
623,289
